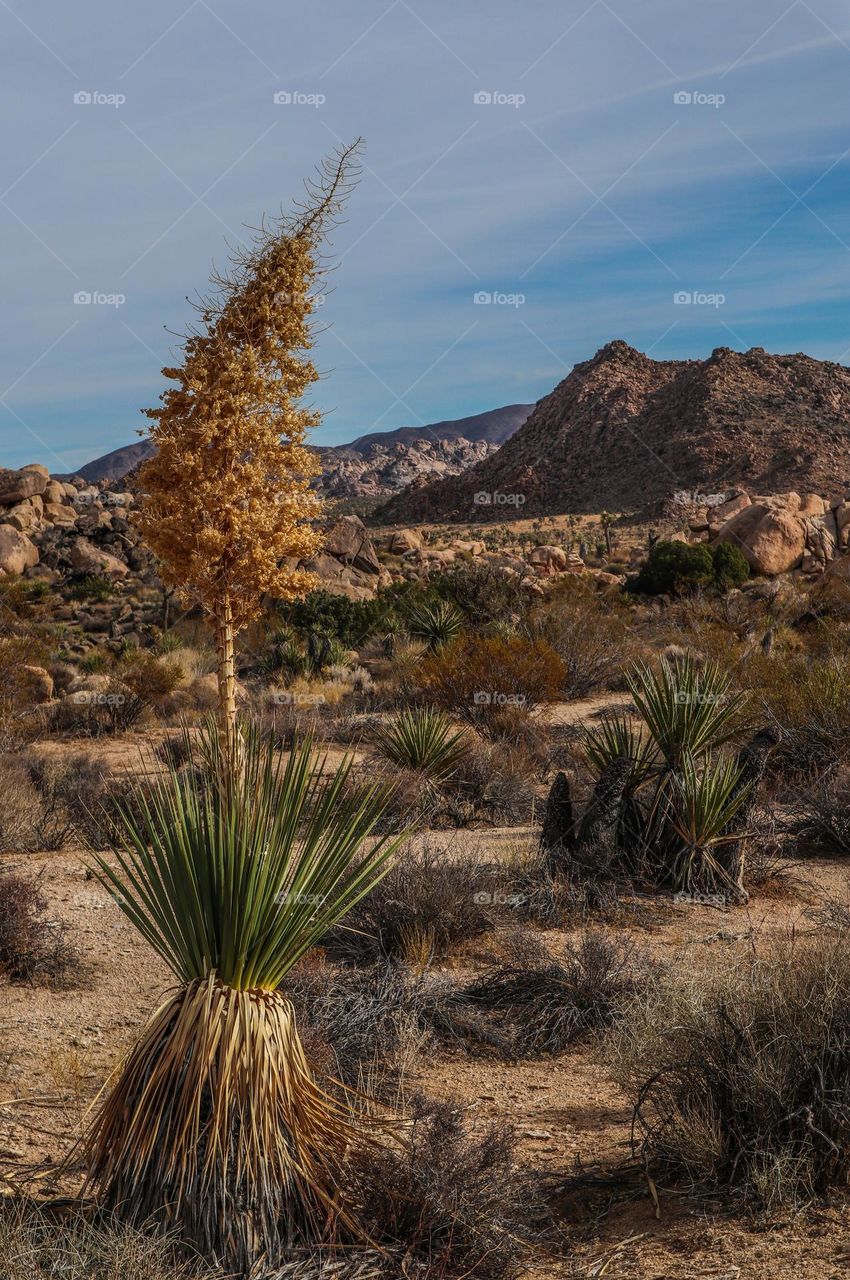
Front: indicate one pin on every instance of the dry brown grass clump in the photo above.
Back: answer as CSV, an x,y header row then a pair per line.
x,y
477,677
32,948
35,1247
741,1080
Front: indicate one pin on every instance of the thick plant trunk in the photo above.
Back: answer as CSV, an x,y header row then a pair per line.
x,y
752,759
558,834
226,679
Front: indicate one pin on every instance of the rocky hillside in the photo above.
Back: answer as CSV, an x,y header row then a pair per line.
x,y
623,430
382,462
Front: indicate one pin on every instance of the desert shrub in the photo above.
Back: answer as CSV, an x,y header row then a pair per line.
x,y
808,705
741,1081
31,814
672,568
547,1003
731,567
492,782
427,904
150,678
475,676
92,586
32,948
590,638
376,1020
421,738
450,1197
115,708
37,1245
323,613
483,592
821,820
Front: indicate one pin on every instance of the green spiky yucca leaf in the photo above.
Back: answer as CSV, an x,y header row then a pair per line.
x,y
702,803
242,880
435,624
618,738
689,710
422,738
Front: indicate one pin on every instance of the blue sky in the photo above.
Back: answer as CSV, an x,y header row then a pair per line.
x,y
582,197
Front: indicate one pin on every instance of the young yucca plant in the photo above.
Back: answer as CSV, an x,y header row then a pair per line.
x,y
702,804
215,1124
688,709
435,624
422,738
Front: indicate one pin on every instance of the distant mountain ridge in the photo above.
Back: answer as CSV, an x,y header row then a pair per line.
x,y
622,431
490,428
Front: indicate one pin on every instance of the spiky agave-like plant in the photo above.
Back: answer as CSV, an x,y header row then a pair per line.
x,y
422,738
215,1125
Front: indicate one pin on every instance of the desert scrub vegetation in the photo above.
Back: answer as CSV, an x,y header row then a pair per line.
x,y
429,902
589,634
672,568
33,948
668,800
37,1245
740,1080
421,738
451,1198
476,677
545,1003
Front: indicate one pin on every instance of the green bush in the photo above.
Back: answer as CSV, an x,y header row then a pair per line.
x,y
673,568
730,565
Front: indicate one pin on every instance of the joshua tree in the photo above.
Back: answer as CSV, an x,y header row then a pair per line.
x,y
227,499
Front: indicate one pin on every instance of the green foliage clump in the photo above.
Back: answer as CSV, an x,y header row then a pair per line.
x,y
673,568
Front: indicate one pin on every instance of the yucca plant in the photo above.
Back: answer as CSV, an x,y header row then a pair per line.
x,y
422,738
435,624
215,1125
703,804
688,709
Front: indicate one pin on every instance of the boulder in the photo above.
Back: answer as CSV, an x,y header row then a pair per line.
x,y
349,542
740,526
403,541
17,553
812,504
15,486
474,548
35,683
822,537
546,561
777,543
23,517
61,516
87,558
717,516
54,491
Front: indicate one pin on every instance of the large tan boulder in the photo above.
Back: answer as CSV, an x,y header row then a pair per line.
x,y
17,553
812,504
546,561
404,541
469,548
349,542
54,491
15,486
64,517
23,517
742,524
85,557
777,543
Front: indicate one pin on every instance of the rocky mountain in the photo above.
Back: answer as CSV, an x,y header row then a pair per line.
x,y
382,462
623,430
